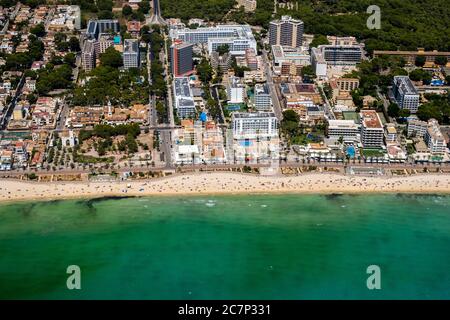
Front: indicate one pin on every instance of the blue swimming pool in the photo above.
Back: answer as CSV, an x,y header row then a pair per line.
x,y
351,151
246,143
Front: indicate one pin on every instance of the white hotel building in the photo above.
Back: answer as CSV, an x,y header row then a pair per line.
x,y
184,100
254,125
235,91
406,95
434,138
237,37
372,132
347,129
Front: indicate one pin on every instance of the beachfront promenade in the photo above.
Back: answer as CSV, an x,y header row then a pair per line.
x,y
221,167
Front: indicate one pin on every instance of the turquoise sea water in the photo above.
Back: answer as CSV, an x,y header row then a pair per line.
x,y
228,247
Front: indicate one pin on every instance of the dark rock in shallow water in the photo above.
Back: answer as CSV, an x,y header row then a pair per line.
x,y
90,202
333,196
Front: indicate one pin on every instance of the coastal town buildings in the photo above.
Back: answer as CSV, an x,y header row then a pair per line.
x,y
286,32
237,37
289,61
262,98
349,130
416,127
254,125
237,110
235,91
406,95
131,54
181,62
96,27
372,132
434,138
88,56
184,100
338,55
254,137
198,142
221,62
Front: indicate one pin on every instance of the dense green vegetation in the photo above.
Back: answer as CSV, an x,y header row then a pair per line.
x,y
296,133
437,107
111,58
109,84
105,133
212,10
21,60
405,24
204,71
31,3
54,77
376,74
158,86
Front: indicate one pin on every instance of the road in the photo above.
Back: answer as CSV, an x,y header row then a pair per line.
x,y
12,104
156,17
385,103
165,61
273,92
165,137
61,123
152,114
289,164
328,110
214,91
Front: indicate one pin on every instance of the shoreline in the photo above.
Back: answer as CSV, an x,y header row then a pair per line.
x,y
229,183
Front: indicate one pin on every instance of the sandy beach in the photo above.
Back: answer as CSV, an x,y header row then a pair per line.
x,y
225,183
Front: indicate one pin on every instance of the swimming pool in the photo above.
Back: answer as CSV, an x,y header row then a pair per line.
x,y
246,143
351,151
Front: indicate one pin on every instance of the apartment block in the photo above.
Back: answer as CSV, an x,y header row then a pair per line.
x,y
249,5
131,55
406,95
434,138
88,55
184,101
96,27
347,129
372,132
181,63
254,125
286,32
237,37
416,127
262,97
235,90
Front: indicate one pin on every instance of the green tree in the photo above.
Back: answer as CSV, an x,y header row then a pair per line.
x,y
111,58
404,113
126,10
319,40
420,61
420,75
70,59
38,30
393,110
222,49
74,44
204,71
291,115
441,61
